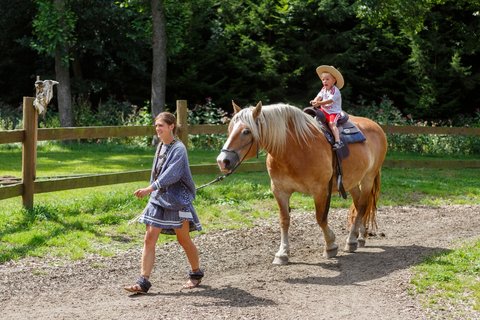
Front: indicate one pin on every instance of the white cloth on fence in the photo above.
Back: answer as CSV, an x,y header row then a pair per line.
x,y
44,93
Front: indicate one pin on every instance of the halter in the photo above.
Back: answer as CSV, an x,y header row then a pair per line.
x,y
236,154
239,162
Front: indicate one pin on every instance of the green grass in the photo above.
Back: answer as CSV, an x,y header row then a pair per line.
x,y
450,278
76,223
395,155
97,217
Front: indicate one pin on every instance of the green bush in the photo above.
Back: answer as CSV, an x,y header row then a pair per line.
x,y
9,120
109,113
140,117
385,113
207,114
115,113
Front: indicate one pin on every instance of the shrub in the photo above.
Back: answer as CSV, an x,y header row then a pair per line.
x,y
109,113
385,113
207,114
9,119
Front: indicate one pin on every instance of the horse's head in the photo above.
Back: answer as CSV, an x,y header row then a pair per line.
x,y
242,141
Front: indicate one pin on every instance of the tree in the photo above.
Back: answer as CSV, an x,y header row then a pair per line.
x,y
54,29
159,52
443,60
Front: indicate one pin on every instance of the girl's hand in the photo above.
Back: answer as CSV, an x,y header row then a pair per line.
x,y
140,193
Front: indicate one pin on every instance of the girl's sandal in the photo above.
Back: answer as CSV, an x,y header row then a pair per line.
x,y
141,286
194,279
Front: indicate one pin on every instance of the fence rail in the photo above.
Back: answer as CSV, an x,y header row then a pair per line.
x,y
31,134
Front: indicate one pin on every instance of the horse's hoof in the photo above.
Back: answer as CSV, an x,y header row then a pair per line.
x,y
351,247
280,261
330,253
361,243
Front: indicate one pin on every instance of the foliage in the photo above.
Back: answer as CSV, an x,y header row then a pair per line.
x,y
450,278
442,38
140,117
422,54
9,120
207,113
109,113
386,113
53,27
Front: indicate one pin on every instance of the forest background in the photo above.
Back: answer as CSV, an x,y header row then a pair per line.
x,y
115,59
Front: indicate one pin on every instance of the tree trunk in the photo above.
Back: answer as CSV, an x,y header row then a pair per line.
x,y
64,95
159,48
62,72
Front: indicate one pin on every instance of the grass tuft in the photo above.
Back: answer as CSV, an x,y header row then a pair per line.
x,y
450,278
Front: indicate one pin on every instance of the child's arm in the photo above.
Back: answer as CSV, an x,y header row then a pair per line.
x,y
317,103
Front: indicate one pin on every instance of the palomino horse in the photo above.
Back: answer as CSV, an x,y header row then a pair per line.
x,y
300,159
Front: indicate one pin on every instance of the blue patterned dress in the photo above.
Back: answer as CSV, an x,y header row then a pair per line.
x,y
174,190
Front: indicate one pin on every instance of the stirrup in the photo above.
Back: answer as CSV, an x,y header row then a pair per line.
x,y
337,145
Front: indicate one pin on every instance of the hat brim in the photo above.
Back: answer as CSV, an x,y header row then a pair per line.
x,y
334,72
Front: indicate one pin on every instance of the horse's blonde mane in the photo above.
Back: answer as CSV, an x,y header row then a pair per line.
x,y
275,123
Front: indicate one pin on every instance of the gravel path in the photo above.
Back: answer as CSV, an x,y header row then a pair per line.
x,y
241,282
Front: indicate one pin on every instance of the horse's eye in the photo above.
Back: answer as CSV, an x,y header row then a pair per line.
x,y
246,131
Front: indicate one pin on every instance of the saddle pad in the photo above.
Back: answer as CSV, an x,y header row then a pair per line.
x,y
347,134
350,133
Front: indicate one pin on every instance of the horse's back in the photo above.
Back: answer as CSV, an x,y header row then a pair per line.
x,y
366,158
373,132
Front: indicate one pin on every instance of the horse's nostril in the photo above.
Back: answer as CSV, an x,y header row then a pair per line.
x,y
226,162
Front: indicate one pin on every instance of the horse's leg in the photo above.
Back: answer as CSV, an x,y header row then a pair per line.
x,y
322,206
364,202
355,237
283,200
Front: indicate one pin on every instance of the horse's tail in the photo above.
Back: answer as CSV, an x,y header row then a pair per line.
x,y
369,219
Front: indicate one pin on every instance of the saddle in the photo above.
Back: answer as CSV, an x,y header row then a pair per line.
x,y
349,133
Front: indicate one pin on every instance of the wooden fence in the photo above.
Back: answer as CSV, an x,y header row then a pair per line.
x,y
31,134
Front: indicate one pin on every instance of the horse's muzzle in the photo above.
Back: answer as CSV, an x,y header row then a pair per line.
x,y
227,160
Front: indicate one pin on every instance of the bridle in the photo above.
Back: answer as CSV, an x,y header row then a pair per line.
x,y
237,157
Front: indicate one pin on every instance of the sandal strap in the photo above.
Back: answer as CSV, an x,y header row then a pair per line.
x,y
144,283
197,275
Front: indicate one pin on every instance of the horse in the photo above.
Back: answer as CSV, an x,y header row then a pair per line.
x,y
300,159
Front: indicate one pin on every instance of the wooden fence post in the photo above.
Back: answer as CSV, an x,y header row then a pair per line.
x,y
29,151
182,121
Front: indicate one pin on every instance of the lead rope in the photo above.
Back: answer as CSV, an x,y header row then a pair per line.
x,y
217,179
220,178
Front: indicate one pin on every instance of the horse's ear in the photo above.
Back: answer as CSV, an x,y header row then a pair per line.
x,y
236,108
257,110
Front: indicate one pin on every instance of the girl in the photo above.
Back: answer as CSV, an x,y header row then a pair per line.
x,y
170,209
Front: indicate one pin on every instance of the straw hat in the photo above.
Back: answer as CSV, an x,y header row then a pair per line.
x,y
334,72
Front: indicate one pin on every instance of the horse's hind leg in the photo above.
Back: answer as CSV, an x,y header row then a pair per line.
x,y
322,206
283,200
363,211
357,210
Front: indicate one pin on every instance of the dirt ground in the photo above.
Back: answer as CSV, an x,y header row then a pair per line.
x,y
242,283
